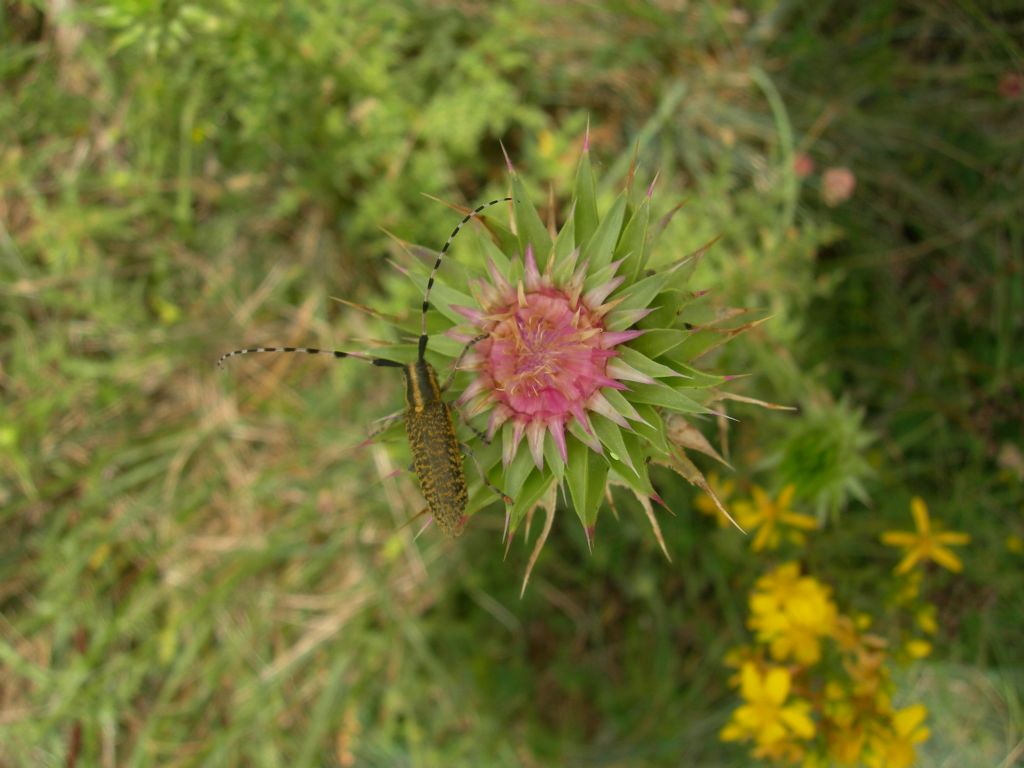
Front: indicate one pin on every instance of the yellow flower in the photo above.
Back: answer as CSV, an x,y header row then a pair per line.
x,y
895,749
853,721
1014,544
723,490
736,658
925,543
908,588
765,717
845,745
767,517
925,618
546,144
791,613
838,706
917,648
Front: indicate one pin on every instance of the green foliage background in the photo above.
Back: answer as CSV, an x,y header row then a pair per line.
x,y
199,569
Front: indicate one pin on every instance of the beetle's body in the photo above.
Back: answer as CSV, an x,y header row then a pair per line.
x,y
437,459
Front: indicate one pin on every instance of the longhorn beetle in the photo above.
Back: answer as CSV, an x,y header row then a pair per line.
x,y
437,458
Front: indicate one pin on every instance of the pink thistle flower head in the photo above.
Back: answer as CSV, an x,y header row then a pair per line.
x,y
544,357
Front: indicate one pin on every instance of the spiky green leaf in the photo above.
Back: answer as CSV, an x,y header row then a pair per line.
x,y
652,428
669,303
553,459
530,494
585,195
647,366
664,396
530,228
621,404
601,246
610,435
700,311
585,474
658,341
488,249
563,250
633,244
520,467
640,480
638,295
693,378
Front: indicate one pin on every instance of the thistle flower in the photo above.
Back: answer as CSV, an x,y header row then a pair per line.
x,y
575,352
545,357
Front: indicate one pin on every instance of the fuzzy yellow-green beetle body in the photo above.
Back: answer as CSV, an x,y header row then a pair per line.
x,y
437,459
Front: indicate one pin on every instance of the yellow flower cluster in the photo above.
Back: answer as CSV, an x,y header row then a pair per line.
x,y
858,722
816,684
790,614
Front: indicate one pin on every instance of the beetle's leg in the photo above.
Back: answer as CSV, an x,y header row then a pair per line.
x,y
382,425
462,417
425,526
415,517
411,469
458,361
480,470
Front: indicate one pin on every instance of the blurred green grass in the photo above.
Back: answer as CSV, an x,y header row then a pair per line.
x,y
200,569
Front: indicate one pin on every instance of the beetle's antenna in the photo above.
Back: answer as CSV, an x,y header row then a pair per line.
x,y
311,351
433,272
